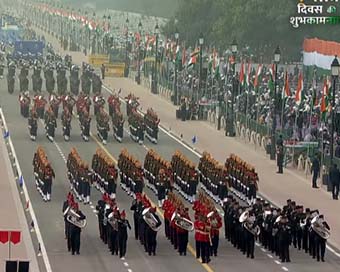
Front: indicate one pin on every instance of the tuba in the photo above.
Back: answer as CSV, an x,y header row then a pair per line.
x,y
319,228
113,221
248,224
73,218
149,218
182,222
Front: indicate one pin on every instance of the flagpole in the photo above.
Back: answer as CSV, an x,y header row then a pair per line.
x,y
282,110
9,245
295,125
257,114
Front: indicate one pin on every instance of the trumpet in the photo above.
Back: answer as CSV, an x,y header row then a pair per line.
x,y
182,222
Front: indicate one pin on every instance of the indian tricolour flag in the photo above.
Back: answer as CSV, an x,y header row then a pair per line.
x,y
320,53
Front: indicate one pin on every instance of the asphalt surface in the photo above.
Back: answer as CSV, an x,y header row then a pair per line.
x,y
94,254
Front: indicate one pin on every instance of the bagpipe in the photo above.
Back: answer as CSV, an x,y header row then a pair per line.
x,y
118,124
50,124
103,127
25,102
137,126
151,122
131,103
66,119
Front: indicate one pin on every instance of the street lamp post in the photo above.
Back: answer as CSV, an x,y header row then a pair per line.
x,y
126,72
277,56
335,74
201,42
230,131
176,68
139,53
154,82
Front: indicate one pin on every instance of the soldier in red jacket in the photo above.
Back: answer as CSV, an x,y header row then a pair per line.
x,y
216,223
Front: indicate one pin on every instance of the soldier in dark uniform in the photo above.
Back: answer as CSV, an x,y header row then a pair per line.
x,y
279,154
75,232
151,235
123,225
49,175
320,242
137,208
66,119
284,239
161,187
33,124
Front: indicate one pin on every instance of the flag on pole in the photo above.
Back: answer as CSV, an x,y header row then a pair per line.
x,y
241,79
184,58
323,106
193,58
298,94
287,89
257,76
248,75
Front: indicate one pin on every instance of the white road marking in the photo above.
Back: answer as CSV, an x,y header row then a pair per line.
x,y
277,262
270,256
27,198
284,268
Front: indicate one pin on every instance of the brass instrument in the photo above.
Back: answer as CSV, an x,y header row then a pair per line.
x,y
249,224
112,221
213,221
319,228
151,220
182,222
73,218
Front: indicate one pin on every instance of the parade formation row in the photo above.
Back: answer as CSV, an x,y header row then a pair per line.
x,y
233,186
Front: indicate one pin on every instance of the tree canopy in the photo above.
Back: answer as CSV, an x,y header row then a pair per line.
x,y
259,24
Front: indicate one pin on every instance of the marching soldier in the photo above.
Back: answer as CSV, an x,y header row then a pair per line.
x,y
320,242
85,124
161,190
54,101
69,202
151,235
75,231
123,225
39,104
216,224
66,119
47,189
137,208
33,124
25,102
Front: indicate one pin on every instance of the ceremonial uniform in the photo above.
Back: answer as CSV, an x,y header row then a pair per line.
x,y
75,232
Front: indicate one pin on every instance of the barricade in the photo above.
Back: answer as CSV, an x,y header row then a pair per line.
x,y
98,60
114,70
